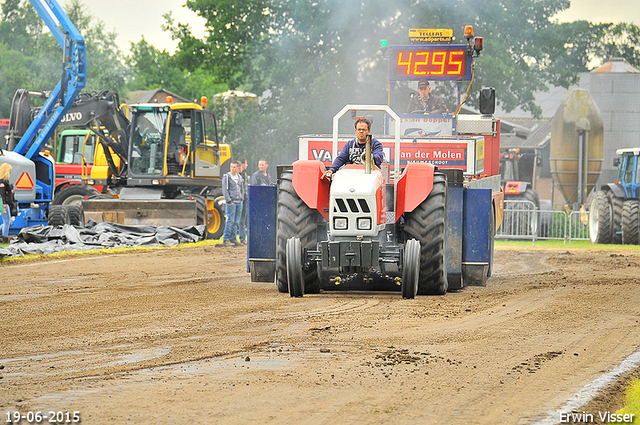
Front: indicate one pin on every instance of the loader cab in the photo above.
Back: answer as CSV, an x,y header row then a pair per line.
x,y
629,171
73,145
172,140
146,156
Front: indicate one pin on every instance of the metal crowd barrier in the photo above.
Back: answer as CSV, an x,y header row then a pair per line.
x,y
522,221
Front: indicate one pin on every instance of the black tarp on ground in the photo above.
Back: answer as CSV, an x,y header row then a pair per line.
x,y
49,239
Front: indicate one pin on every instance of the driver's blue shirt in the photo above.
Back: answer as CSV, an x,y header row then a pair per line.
x,y
352,152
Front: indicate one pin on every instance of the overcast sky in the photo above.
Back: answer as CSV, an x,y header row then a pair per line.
x,y
131,19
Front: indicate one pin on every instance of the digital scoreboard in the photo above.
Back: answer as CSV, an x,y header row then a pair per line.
x,y
429,62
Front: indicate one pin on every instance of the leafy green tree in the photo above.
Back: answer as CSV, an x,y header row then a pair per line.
x,y
13,74
32,57
20,26
307,59
621,40
152,68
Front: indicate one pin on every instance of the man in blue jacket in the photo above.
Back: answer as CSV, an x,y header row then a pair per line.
x,y
352,151
233,191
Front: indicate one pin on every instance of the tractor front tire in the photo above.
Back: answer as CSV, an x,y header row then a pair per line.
x,y
410,269
616,218
427,224
295,276
295,220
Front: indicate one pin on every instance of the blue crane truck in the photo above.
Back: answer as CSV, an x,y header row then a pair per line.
x,y
33,170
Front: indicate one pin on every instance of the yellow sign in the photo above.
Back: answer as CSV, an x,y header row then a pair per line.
x,y
433,35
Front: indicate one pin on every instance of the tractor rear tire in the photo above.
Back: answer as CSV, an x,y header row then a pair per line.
x,y
58,215
295,276
295,220
73,194
616,218
427,224
600,218
411,269
631,222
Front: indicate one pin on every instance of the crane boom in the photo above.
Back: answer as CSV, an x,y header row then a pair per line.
x,y
74,76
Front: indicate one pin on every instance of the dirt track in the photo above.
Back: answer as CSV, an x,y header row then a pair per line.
x,y
183,336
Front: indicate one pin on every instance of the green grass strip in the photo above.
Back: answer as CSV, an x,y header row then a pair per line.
x,y
631,403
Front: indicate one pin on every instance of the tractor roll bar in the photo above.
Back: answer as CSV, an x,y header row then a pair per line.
x,y
383,108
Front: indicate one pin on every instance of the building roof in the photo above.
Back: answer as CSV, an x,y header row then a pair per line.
x,y
528,133
617,65
547,100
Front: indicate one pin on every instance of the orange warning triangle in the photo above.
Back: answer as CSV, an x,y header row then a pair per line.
x,y
24,181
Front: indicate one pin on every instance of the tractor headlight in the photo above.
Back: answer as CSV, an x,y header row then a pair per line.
x,y
364,223
340,223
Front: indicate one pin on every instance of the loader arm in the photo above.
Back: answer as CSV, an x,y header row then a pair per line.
x,y
103,109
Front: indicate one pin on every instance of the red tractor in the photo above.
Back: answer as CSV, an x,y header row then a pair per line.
x,y
424,232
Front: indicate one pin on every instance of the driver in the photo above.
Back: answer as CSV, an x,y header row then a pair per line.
x,y
426,103
352,151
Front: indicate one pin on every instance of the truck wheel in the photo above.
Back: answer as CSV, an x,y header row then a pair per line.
x,y
201,210
76,215
616,218
631,222
522,219
73,194
295,278
295,219
216,210
58,215
531,218
427,224
411,269
600,218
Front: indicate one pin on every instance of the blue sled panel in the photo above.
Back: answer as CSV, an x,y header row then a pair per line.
x,y
455,222
262,216
476,249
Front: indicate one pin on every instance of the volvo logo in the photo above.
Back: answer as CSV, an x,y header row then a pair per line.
x,y
72,116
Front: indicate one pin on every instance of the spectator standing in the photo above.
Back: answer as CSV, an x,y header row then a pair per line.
x,y
242,234
261,177
233,191
8,200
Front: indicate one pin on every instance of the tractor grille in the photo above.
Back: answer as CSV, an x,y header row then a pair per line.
x,y
351,205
